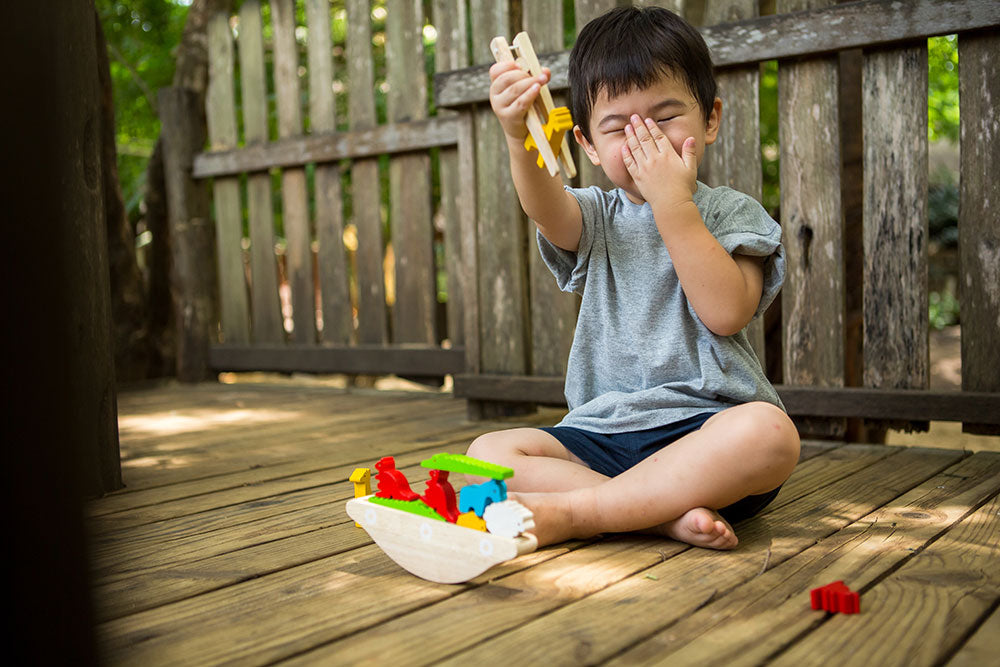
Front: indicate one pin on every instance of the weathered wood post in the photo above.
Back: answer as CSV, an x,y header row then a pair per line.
x,y
192,236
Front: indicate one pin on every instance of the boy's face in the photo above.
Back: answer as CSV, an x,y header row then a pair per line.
x,y
669,103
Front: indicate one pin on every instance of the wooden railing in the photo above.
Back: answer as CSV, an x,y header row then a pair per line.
x,y
851,339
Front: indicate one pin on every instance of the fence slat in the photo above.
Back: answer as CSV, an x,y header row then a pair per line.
x,y
978,217
451,52
734,159
409,180
366,214
265,305
220,108
553,313
812,305
335,303
294,197
894,108
503,317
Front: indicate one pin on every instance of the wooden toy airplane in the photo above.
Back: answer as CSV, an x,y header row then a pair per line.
x,y
427,536
547,124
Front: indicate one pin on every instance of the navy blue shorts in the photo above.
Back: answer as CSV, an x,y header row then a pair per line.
x,y
612,454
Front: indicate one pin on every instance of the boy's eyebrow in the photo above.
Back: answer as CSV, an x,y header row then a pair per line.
x,y
622,118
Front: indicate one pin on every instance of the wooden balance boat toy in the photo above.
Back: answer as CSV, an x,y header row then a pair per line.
x,y
428,535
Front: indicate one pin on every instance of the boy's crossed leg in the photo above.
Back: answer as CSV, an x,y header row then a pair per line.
x,y
745,450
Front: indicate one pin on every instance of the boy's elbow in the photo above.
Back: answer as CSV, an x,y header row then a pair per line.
x,y
727,324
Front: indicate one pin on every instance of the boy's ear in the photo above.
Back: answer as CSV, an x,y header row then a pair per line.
x,y
714,120
587,147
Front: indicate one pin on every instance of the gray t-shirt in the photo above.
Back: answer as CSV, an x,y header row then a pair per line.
x,y
641,357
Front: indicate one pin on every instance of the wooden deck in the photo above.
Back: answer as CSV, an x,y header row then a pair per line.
x,y
231,544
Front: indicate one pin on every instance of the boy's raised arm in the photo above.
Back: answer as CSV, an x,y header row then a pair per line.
x,y
554,211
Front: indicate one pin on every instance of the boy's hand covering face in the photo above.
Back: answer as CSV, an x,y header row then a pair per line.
x,y
660,174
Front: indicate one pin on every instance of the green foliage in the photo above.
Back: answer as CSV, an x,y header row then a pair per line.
x,y
943,309
141,36
942,88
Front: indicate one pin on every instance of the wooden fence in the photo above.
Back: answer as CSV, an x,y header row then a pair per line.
x,y
852,336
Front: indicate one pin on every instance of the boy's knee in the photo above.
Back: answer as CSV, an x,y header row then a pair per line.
x,y
779,433
490,447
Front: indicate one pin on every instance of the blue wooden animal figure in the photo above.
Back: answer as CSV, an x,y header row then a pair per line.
x,y
476,497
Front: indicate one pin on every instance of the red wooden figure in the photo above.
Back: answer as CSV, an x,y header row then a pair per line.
x,y
834,598
440,495
391,482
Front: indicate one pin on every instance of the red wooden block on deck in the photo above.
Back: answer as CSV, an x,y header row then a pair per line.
x,y
835,598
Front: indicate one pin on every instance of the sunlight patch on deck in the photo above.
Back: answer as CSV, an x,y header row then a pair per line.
x,y
171,423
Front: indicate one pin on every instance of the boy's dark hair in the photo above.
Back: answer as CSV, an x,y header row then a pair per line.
x,y
631,47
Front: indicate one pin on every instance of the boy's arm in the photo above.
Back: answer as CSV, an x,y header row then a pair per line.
x,y
555,211
723,289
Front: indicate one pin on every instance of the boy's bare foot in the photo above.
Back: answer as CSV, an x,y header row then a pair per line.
x,y
700,527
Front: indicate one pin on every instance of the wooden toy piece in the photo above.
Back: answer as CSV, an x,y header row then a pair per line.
x,y
435,550
391,482
440,495
362,484
526,51
835,598
555,130
467,465
476,497
508,518
538,114
470,520
418,507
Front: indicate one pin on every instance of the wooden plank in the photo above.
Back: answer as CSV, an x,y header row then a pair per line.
x,y
403,359
335,301
812,301
553,312
451,52
220,109
415,307
265,307
192,270
584,12
802,34
503,325
894,102
800,401
978,217
734,159
294,198
747,626
982,646
366,215
946,589
329,146
590,600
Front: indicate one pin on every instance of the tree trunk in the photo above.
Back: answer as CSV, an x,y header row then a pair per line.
x,y
191,72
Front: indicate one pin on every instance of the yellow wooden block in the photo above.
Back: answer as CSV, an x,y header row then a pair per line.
x,y
470,520
362,478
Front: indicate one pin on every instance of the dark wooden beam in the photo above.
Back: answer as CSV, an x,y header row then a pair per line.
x,y
409,360
896,404
796,35
328,147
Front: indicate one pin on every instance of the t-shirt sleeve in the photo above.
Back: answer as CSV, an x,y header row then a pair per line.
x,y
570,268
743,227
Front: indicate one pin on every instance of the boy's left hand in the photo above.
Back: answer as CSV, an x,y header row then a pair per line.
x,y
661,175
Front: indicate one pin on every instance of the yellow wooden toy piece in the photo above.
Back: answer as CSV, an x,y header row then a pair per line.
x,y
555,128
470,520
362,478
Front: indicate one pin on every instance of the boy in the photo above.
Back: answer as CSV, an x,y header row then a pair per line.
x,y
673,428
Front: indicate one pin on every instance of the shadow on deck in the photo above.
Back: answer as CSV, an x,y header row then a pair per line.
x,y
231,543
